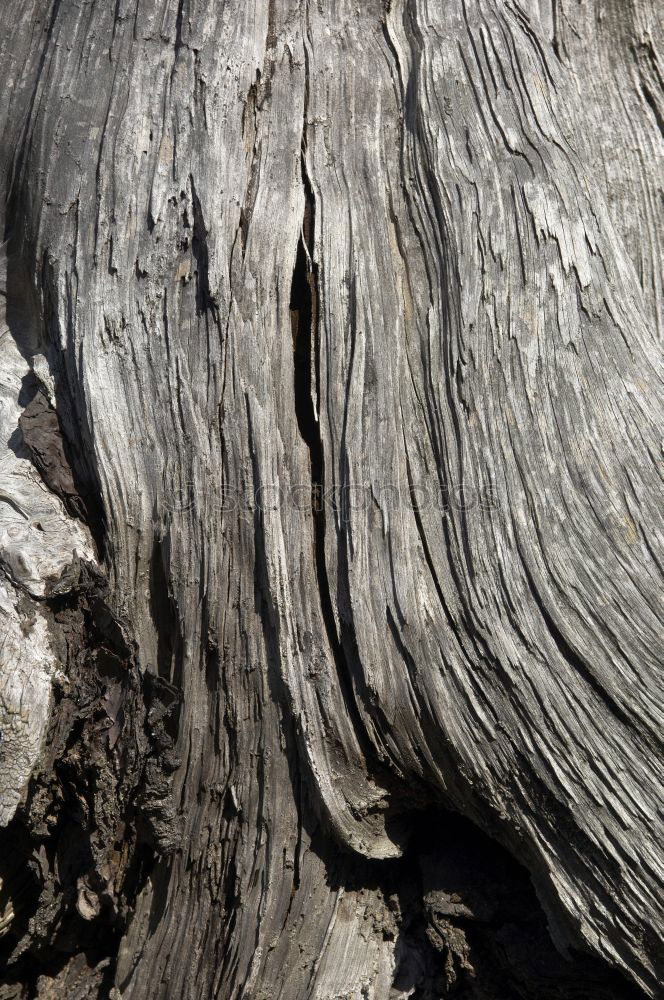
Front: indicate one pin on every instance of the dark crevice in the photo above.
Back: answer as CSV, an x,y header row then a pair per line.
x,y
179,22
304,326
472,927
341,640
204,299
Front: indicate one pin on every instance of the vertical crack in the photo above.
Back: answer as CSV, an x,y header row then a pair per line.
x,y
304,313
205,300
306,380
304,328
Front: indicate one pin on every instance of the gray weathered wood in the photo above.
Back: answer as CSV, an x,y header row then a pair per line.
x,y
351,318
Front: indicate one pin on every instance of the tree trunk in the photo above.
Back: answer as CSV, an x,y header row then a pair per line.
x,y
329,525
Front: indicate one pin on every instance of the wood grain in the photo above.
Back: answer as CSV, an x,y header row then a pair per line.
x,y
351,318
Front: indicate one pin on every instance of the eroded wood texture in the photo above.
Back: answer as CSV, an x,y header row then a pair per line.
x,y
350,314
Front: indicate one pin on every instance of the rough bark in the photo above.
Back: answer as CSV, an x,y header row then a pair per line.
x,y
329,512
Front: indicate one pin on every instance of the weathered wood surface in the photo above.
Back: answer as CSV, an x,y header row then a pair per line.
x,y
403,257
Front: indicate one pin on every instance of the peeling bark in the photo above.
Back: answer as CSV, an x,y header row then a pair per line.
x,y
330,537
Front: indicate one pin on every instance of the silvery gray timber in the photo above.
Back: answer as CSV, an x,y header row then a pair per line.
x,y
330,499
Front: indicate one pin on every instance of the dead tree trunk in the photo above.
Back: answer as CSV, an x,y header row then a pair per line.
x,y
329,525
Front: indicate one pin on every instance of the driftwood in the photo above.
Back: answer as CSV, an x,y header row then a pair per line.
x,y
329,503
